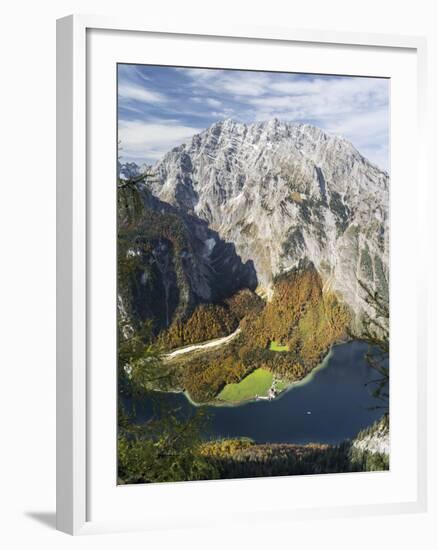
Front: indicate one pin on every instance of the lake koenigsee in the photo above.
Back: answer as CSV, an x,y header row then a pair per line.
x,y
332,404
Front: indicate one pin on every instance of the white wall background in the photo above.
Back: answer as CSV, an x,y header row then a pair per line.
x,y
27,218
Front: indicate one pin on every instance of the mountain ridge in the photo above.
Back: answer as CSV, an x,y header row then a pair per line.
x,y
282,192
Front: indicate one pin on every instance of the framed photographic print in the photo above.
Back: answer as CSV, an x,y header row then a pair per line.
x,y
240,329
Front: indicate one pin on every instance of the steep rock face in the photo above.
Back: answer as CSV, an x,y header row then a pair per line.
x,y
170,261
374,439
282,193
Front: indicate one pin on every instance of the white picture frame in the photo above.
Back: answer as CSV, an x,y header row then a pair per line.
x,y
74,397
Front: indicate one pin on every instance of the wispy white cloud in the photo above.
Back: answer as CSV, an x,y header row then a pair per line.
x,y
139,93
210,101
213,102
352,87
235,83
368,131
248,84
317,98
151,140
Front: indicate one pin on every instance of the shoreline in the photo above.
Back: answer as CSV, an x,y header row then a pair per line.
x,y
296,384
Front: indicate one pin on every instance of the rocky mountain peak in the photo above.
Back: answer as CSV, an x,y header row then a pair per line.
x,y
282,192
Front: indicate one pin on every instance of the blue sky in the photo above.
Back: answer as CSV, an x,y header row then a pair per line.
x,y
162,107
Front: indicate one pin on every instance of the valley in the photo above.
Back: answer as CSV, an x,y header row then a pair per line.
x,y
336,394
249,269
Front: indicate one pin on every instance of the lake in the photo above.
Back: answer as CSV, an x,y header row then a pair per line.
x,y
332,404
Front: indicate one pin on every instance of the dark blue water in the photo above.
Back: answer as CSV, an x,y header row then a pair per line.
x,y
336,395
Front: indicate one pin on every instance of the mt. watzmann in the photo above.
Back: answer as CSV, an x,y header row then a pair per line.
x,y
281,193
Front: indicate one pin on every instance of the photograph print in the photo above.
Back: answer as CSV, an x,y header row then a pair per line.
x,y
252,274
